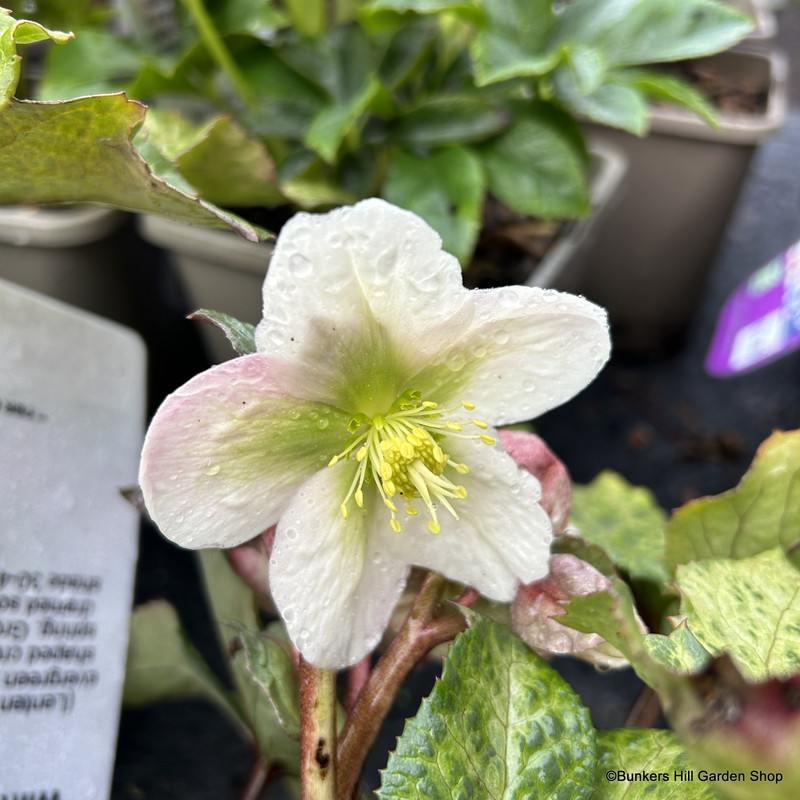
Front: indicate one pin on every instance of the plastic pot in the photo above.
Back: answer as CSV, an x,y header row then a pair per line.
x,y
220,271
656,247
73,254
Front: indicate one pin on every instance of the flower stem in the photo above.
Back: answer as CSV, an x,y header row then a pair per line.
x,y
217,49
426,626
317,732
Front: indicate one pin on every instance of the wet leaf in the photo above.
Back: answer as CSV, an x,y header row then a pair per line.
x,y
748,608
500,723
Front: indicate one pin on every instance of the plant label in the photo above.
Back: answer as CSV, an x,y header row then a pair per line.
x,y
760,321
72,393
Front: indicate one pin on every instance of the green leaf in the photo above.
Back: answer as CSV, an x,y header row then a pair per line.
x,y
286,101
241,335
631,32
539,165
164,665
588,68
254,17
233,609
613,103
270,662
12,33
515,42
330,126
80,151
680,652
748,608
406,52
670,89
612,615
501,723
625,521
466,9
442,121
96,62
230,168
446,189
646,751
761,513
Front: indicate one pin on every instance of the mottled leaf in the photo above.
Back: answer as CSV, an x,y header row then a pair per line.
x,y
625,521
680,652
656,753
761,513
500,723
748,608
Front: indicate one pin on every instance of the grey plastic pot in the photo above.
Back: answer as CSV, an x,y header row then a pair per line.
x,y
70,253
656,247
765,24
220,271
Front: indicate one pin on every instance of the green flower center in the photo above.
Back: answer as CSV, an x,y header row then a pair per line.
x,y
402,453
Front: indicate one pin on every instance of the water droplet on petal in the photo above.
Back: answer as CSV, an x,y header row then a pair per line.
x,y
501,337
455,361
478,351
300,265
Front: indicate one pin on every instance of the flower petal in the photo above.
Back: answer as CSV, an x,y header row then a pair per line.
x,y
502,537
331,579
527,350
531,453
367,285
225,452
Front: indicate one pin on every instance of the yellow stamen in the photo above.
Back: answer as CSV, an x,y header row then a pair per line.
x,y
404,453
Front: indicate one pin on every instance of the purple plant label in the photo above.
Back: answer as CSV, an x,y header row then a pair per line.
x,y
760,321
71,425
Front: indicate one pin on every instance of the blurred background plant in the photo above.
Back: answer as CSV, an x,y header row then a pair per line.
x,y
434,105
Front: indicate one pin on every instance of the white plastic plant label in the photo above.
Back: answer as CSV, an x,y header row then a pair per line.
x,y
72,390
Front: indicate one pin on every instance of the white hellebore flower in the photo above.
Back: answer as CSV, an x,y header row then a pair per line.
x,y
361,426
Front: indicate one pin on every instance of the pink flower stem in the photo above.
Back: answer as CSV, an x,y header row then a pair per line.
x,y
429,623
317,732
357,676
